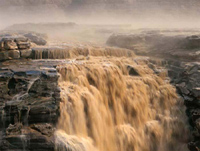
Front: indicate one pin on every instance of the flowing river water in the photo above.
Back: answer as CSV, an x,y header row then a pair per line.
x,y
118,104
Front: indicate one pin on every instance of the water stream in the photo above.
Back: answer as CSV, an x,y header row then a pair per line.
x,y
104,108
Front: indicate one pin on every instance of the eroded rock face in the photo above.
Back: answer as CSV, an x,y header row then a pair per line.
x,y
30,94
14,129
29,105
13,43
45,128
7,55
24,38
14,48
159,45
186,77
26,53
9,44
18,46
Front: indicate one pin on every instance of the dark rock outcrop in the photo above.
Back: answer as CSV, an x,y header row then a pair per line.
x,y
29,106
186,77
183,69
193,42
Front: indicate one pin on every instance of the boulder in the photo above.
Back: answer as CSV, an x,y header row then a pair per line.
x,y
9,44
35,38
4,55
14,48
11,54
26,53
12,43
132,71
24,45
22,42
14,129
21,39
14,54
193,42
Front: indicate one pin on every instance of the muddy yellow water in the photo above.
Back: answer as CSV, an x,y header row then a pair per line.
x,y
107,107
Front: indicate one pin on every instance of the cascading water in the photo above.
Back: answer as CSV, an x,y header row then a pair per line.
x,y
105,108
71,52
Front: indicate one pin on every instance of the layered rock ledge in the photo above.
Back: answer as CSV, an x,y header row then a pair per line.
x,y
153,43
29,105
15,46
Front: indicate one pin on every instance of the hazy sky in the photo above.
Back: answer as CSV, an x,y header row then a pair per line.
x,y
146,12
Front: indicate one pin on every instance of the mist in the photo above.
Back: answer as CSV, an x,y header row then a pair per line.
x,y
99,75
141,14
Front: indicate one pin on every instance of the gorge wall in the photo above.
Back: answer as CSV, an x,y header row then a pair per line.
x,y
179,54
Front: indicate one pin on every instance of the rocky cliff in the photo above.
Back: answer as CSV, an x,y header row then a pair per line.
x,y
60,105
29,105
180,56
160,43
88,98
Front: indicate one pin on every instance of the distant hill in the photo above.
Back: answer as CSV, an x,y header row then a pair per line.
x,y
65,4
97,10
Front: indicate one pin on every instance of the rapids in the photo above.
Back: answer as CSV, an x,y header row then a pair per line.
x,y
107,107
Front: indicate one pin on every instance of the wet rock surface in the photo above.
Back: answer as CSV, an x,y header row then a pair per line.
x,y
29,105
186,77
180,56
188,86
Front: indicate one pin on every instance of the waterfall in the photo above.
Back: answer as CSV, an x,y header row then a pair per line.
x,y
72,52
106,108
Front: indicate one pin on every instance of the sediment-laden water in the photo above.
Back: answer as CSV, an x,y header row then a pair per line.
x,y
118,104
